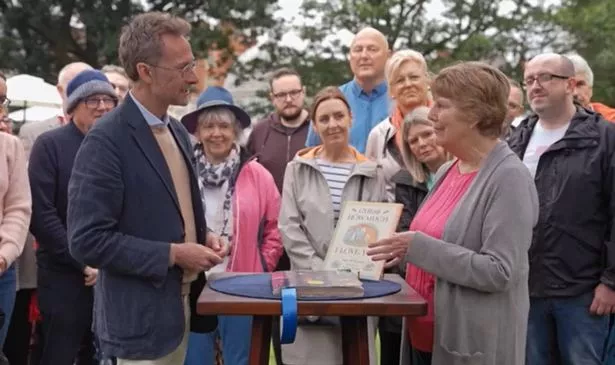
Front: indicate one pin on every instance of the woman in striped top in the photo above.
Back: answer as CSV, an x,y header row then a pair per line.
x,y
316,183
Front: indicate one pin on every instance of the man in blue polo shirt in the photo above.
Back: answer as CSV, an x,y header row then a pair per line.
x,y
367,92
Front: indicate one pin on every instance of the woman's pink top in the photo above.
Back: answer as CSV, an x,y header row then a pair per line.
x,y
431,220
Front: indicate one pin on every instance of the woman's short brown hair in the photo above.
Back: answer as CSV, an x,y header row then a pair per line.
x,y
480,91
328,93
140,40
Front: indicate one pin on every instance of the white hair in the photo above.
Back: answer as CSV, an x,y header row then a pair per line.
x,y
582,67
399,58
223,114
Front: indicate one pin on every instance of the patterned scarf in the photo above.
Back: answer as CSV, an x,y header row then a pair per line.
x,y
214,176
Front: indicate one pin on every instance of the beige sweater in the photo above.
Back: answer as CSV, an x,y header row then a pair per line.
x,y
15,198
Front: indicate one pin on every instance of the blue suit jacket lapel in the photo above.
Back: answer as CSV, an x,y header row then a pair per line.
x,y
144,137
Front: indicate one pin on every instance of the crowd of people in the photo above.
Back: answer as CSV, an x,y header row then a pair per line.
x,y
114,213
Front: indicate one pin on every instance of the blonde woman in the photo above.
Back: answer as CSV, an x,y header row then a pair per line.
x,y
408,83
408,78
422,157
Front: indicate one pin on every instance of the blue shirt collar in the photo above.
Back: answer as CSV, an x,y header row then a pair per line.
x,y
380,89
150,118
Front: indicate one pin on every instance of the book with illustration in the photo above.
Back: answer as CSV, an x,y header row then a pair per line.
x,y
359,224
314,284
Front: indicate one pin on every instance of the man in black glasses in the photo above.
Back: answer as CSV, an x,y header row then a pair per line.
x,y
6,124
65,286
569,150
4,101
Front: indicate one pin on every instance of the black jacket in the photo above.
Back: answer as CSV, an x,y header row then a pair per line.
x,y
409,193
49,170
573,244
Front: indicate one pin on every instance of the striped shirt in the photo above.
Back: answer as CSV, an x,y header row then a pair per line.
x,y
336,175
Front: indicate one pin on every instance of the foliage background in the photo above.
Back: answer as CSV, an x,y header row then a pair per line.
x,y
38,37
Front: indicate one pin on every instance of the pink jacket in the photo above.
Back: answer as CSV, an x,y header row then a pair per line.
x,y
257,245
15,198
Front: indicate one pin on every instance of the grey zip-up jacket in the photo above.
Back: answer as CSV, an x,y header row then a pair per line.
x,y
306,224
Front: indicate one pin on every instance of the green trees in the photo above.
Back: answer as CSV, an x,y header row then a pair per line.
x,y
40,36
591,33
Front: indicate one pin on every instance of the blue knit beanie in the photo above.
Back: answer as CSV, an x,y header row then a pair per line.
x,y
86,84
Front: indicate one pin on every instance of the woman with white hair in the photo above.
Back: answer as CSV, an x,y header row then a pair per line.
x,y
241,204
408,84
584,76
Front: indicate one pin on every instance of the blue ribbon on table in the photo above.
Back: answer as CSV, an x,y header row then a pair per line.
x,y
289,315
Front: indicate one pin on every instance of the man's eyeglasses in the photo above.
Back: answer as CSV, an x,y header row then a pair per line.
x,y
93,103
542,78
5,102
184,70
283,95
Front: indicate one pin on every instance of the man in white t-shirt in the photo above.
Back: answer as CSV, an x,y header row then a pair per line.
x,y
569,151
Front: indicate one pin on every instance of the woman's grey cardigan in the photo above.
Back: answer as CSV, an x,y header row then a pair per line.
x,y
481,265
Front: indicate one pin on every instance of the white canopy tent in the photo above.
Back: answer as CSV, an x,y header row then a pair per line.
x,y
25,91
35,113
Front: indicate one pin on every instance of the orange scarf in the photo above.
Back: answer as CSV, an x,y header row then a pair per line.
x,y
397,120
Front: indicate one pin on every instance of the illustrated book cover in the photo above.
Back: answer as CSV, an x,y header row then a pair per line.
x,y
359,224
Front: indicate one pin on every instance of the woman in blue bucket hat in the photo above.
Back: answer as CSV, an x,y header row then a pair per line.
x,y
241,204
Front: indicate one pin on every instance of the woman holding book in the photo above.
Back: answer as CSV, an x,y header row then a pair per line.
x,y
241,204
474,229
316,183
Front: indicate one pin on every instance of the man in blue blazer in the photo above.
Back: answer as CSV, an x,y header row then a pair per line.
x,y
135,211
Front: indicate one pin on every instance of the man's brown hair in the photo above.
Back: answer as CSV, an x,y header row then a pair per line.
x,y
141,39
279,73
328,93
480,91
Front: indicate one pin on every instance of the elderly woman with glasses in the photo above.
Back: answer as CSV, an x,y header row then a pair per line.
x,y
474,228
241,204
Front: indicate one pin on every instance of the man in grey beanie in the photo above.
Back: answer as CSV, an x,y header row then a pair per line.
x,y
65,285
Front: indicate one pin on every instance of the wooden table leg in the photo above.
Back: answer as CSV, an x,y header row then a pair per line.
x,y
261,340
355,342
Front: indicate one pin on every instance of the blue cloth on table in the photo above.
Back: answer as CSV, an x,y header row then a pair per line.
x,y
259,286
